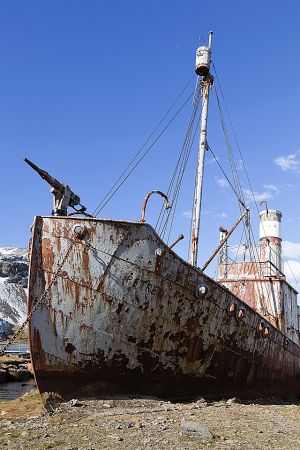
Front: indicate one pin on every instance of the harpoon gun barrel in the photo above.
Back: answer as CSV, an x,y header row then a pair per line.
x,y
63,196
45,175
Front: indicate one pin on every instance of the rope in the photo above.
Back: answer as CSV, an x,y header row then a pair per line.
x,y
38,303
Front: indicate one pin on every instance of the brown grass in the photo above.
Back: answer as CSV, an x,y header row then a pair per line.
x,y
13,359
21,408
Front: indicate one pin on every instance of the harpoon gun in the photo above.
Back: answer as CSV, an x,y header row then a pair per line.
x,y
63,197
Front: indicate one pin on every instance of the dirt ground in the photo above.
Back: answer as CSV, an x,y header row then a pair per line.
x,y
140,423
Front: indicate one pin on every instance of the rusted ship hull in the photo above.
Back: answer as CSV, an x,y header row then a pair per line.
x,y
113,316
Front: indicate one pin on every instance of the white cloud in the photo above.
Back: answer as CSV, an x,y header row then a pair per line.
x,y
259,196
272,187
221,215
222,182
288,162
188,214
212,160
292,273
291,249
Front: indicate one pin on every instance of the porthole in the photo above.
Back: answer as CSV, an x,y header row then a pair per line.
x,y
202,291
261,327
232,309
241,313
80,231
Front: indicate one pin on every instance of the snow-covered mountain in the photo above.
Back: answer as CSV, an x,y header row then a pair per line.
x,y
14,251
13,284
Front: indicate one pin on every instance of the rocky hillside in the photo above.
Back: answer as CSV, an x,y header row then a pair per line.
x,y
13,284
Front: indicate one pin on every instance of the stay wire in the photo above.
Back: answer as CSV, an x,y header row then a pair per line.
x,y
235,137
143,155
250,230
176,195
181,162
229,149
100,207
238,188
241,155
226,176
234,171
189,140
289,266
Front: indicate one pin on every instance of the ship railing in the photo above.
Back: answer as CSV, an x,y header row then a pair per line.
x,y
246,269
271,267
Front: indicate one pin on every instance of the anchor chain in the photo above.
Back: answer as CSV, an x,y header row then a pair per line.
x,y
22,326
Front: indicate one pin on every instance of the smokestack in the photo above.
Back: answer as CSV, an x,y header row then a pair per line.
x,y
270,238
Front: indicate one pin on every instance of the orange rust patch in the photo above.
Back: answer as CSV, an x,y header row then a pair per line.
x,y
47,254
105,296
86,266
38,352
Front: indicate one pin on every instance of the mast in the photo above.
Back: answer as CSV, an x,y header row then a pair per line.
x,y
202,69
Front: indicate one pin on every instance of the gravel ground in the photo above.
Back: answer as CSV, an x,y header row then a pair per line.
x,y
140,423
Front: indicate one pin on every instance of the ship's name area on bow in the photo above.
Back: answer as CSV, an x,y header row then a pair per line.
x,y
140,285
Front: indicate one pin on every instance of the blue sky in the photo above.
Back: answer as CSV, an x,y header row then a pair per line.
x,y
83,83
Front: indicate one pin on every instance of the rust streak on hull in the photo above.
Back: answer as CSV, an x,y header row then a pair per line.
x,y
121,318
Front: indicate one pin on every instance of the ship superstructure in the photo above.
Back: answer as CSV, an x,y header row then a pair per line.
x,y
262,284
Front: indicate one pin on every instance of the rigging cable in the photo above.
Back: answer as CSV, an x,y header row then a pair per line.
x,y
176,194
247,226
244,165
242,159
288,264
232,161
111,191
180,159
225,175
184,157
142,157
234,171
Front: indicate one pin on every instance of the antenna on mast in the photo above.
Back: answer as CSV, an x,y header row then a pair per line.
x,y
210,34
203,60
